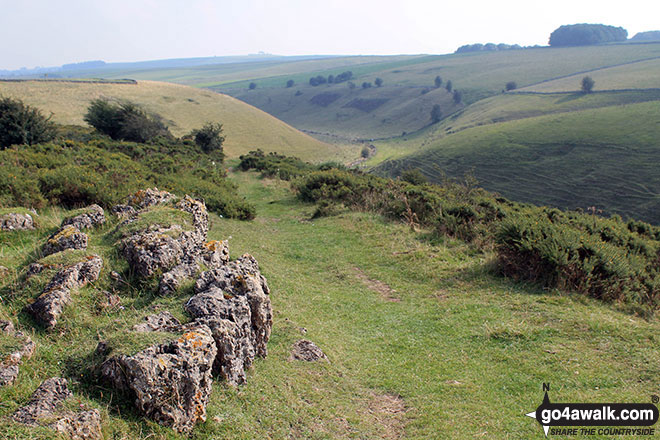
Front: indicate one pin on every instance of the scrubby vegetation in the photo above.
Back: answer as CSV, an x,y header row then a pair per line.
x,y
82,167
22,124
125,121
606,258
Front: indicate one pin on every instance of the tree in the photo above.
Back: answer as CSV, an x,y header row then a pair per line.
x,y
458,96
378,82
366,85
351,85
21,124
289,83
209,138
331,79
366,152
252,86
511,85
436,113
449,86
125,121
587,84
584,34
438,82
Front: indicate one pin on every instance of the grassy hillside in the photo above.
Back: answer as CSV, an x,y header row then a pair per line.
x,y
183,108
410,326
604,157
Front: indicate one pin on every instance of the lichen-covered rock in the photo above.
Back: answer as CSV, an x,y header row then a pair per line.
x,y
198,211
307,351
67,237
170,382
230,320
84,425
57,293
149,252
215,254
45,408
10,362
149,197
243,278
16,222
171,280
162,322
93,216
44,401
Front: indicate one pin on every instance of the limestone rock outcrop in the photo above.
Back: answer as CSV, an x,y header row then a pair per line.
x,y
67,237
9,365
171,382
45,405
16,222
48,307
92,216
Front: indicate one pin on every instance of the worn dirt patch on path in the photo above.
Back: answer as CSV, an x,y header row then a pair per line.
x,y
389,411
386,292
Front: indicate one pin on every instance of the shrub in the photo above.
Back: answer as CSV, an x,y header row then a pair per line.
x,y
21,124
209,138
587,84
511,85
414,176
125,121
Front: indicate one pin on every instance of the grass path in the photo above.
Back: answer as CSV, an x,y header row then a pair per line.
x,y
465,351
423,342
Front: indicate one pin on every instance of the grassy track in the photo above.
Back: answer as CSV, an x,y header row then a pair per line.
x,y
423,341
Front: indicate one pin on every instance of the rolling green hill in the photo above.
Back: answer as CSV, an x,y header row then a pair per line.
x,y
580,153
183,108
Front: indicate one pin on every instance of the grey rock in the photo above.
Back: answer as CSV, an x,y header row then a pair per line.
x,y
67,237
84,425
57,293
9,366
93,216
170,382
243,278
230,320
149,197
149,252
215,254
162,322
307,351
44,401
16,222
171,280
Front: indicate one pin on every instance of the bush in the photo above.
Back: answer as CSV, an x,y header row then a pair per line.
x,y
511,85
21,124
209,138
587,84
125,121
414,176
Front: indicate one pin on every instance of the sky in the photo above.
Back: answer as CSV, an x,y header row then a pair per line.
x,y
55,32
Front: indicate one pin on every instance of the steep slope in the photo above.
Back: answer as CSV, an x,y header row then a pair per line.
x,y
605,157
183,108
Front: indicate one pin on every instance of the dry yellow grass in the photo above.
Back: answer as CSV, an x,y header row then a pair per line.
x,y
183,108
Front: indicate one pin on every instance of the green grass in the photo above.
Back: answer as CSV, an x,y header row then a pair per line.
x,y
466,351
182,108
599,157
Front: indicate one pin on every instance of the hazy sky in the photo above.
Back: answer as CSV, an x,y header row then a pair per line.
x,y
54,32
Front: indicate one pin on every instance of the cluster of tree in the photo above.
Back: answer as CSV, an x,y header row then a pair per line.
x,y
646,36
21,124
331,79
584,34
488,47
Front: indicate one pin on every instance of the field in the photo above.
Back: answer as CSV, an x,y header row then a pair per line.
x,y
410,326
604,157
183,109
